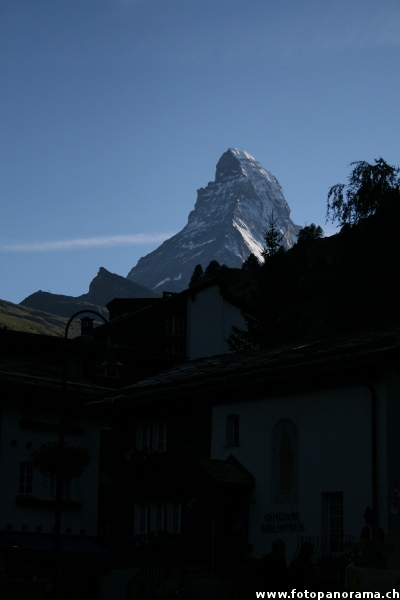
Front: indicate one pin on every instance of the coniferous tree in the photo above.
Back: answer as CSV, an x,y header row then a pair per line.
x,y
196,276
245,339
310,233
272,238
251,264
343,282
212,269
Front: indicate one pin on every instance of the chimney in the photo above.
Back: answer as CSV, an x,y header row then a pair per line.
x,y
87,327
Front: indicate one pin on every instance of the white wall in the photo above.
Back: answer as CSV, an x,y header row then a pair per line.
x,y
389,454
334,440
209,322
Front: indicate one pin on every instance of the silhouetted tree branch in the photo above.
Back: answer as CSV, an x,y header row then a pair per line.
x,y
371,189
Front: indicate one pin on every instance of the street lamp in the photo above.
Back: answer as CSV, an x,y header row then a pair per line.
x,y
61,437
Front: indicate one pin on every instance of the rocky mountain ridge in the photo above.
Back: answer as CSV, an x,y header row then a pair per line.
x,y
103,288
227,224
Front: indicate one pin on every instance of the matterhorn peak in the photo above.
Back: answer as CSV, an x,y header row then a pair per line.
x,y
227,224
237,162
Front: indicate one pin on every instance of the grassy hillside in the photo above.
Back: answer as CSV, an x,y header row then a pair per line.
x,y
22,318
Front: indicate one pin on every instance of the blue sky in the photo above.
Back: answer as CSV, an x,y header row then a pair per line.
x,y
114,112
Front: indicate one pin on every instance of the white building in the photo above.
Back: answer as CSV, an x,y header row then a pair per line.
x,y
211,313
30,410
303,439
317,426
187,325
27,496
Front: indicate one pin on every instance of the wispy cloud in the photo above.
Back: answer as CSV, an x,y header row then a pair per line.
x,y
137,239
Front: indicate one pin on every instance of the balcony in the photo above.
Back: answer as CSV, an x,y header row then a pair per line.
x,y
37,425
33,502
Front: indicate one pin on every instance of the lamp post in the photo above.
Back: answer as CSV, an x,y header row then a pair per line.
x,y
61,437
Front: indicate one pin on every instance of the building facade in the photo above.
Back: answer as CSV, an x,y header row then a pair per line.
x,y
312,429
189,325
34,407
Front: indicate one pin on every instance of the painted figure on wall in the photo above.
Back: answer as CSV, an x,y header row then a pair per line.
x,y
286,462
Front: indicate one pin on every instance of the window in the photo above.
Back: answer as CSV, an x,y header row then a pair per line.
x,y
143,441
174,325
151,436
175,349
159,517
232,430
25,478
332,514
161,436
153,517
66,490
145,436
176,518
143,519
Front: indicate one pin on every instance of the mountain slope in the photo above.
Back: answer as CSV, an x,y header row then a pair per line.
x,y
23,318
103,288
226,225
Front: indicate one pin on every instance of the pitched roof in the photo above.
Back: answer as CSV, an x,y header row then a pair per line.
x,y
229,471
32,361
279,365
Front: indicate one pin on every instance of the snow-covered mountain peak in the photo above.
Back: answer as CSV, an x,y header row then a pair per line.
x,y
238,162
227,224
